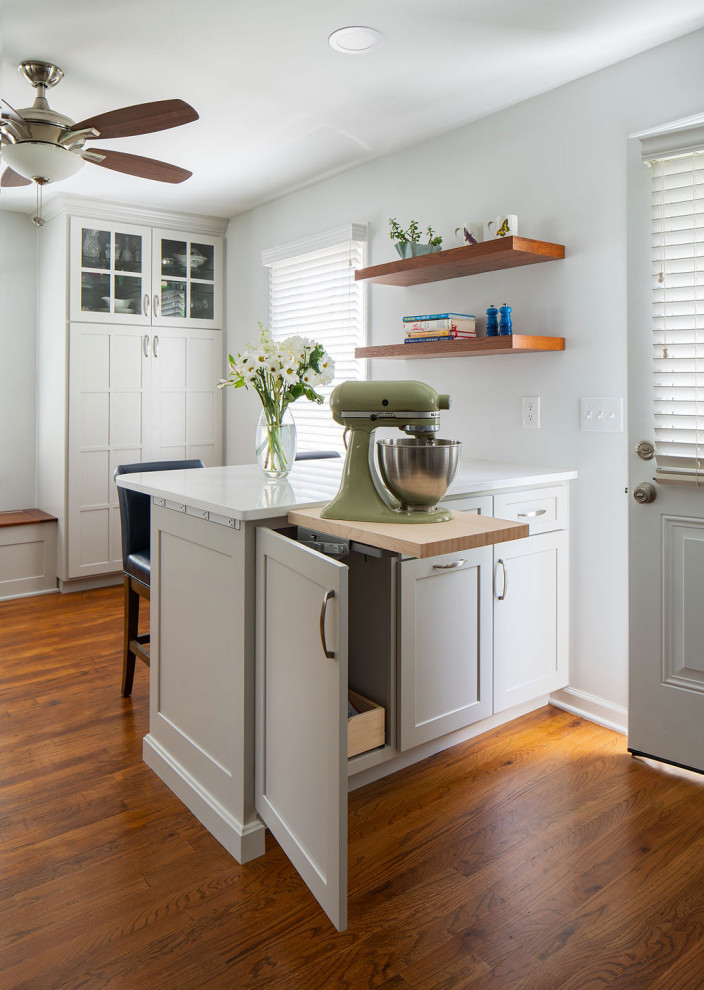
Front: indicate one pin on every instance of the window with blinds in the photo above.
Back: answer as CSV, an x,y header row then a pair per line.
x,y
677,234
313,293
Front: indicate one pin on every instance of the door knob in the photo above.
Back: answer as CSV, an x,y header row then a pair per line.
x,y
645,492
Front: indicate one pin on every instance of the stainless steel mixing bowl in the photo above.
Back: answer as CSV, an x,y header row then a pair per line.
x,y
418,472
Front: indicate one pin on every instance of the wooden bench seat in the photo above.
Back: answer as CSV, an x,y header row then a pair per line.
x,y
24,517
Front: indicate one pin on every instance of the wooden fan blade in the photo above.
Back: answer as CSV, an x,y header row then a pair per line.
x,y
146,168
143,118
11,178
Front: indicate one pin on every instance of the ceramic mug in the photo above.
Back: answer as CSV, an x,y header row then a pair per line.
x,y
505,225
471,232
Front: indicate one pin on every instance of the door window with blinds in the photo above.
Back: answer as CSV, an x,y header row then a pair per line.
x,y
313,293
677,242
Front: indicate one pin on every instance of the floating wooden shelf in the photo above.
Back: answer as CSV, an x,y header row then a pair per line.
x,y
471,259
515,344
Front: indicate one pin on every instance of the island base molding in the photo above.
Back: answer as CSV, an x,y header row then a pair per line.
x,y
244,842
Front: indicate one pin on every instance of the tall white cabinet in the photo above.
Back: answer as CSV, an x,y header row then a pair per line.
x,y
131,349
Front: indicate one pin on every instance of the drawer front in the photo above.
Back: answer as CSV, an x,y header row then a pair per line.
x,y
544,509
479,504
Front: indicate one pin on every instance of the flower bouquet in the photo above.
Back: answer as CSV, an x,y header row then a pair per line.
x,y
280,372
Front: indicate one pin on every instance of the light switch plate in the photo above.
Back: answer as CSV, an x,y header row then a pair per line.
x,y
601,415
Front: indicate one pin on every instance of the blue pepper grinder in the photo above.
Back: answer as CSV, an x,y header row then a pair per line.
x,y
505,326
492,321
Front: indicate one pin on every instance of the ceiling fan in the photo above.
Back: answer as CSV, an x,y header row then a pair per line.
x,y
40,145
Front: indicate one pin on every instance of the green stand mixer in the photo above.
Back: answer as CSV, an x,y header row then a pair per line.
x,y
416,471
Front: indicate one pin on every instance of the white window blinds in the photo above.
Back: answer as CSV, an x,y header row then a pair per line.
x,y
677,241
313,293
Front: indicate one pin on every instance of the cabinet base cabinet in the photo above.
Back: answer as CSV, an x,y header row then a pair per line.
x,y
445,644
531,615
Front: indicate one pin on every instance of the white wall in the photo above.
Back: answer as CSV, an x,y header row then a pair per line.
x,y
559,161
18,302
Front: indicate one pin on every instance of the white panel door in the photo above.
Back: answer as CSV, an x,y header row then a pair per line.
x,y
108,421
446,652
531,615
186,403
301,712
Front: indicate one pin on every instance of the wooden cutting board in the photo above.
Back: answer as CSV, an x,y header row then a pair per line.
x,y
463,532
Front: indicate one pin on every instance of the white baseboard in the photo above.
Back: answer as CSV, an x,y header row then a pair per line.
x,y
244,842
89,583
592,708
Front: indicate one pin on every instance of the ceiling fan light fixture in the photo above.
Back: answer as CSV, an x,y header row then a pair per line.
x,y
355,40
41,160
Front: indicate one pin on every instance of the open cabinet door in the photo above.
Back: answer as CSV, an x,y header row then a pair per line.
x,y
301,712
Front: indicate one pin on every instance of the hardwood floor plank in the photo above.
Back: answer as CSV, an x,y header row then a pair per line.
x,y
537,856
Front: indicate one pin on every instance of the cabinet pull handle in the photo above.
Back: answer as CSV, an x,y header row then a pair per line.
x,y
323,609
532,514
156,305
504,585
452,566
146,345
155,346
146,304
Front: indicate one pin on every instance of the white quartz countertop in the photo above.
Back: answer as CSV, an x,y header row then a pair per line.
x,y
242,492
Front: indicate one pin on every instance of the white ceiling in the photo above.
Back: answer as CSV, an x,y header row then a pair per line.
x,y
278,107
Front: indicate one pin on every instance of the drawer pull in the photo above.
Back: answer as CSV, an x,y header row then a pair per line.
x,y
452,566
329,654
504,585
532,514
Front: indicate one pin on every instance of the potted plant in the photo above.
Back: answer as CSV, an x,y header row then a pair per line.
x,y
279,372
408,241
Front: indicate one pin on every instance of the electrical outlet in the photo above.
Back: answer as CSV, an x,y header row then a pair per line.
x,y
601,415
531,412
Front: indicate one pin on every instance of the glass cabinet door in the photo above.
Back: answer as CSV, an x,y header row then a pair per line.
x,y
187,279
110,272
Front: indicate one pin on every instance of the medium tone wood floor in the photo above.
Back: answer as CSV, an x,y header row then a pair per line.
x,y
538,856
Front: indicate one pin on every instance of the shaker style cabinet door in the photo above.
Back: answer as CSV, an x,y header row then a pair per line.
x,y
186,280
110,272
186,403
531,618
301,712
109,398
446,644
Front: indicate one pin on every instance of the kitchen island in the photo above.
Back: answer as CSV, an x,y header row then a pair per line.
x,y
236,618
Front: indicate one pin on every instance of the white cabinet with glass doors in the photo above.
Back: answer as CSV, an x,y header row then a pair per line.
x,y
128,274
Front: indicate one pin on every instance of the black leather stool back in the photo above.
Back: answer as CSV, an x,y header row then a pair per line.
x,y
136,559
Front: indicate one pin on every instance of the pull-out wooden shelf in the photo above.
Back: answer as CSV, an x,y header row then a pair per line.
x,y
463,532
470,259
467,347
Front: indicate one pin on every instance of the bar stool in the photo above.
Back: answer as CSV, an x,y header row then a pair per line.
x,y
136,560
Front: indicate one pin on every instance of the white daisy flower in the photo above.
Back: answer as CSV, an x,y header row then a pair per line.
x,y
289,373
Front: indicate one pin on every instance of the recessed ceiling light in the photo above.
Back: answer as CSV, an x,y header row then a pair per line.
x,y
355,40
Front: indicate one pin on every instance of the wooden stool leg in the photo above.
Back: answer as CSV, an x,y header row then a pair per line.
x,y
130,625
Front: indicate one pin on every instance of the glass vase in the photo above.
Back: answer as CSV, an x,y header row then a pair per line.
x,y
276,443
